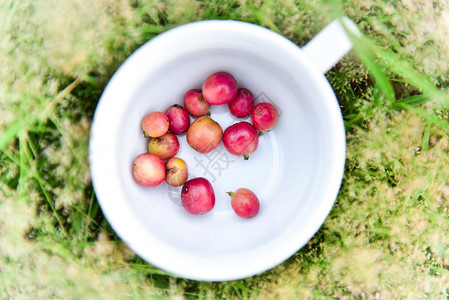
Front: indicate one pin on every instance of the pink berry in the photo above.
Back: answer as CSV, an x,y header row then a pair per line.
x,y
264,116
165,146
195,103
220,88
155,124
241,139
204,134
243,104
197,196
149,169
244,203
177,171
179,119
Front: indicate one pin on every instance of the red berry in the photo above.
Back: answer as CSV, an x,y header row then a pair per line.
x,y
264,116
149,169
177,171
204,134
243,104
241,139
165,146
197,196
178,118
155,124
195,104
220,88
244,203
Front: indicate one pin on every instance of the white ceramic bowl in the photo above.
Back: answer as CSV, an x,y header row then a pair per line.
x,y
296,171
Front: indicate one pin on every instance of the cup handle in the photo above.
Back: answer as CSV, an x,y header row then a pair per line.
x,y
331,43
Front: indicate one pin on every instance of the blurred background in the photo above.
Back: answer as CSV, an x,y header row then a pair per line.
x,y
386,236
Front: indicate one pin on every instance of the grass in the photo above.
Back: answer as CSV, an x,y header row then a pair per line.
x,y
387,235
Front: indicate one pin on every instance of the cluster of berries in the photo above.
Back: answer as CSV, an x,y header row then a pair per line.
x,y
204,135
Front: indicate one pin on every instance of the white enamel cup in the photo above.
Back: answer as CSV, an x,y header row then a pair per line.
x,y
296,171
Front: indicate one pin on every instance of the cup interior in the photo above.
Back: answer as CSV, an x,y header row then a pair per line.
x,y
295,172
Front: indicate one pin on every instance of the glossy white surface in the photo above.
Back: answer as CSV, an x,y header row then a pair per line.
x,y
296,171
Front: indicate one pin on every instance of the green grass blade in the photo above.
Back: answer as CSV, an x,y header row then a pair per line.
x,y
24,124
